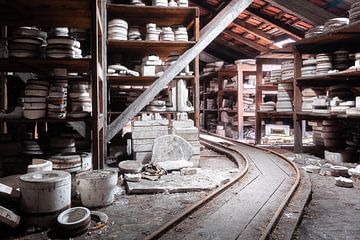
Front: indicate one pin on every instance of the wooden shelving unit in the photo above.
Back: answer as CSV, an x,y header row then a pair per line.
x,y
275,57
70,13
343,38
161,16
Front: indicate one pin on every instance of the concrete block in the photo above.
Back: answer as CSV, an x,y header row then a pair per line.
x,y
151,123
143,157
149,134
135,177
183,124
175,165
9,218
171,148
196,150
142,141
188,171
143,147
189,134
149,128
195,159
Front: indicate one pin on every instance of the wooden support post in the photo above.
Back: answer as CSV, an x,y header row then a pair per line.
x,y
258,100
208,34
297,102
240,101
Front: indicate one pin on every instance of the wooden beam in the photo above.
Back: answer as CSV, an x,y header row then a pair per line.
x,y
286,28
304,10
235,49
207,35
242,39
208,58
254,30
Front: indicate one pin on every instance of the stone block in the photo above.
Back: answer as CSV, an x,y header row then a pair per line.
x,y
195,159
171,148
9,218
142,147
132,177
149,123
188,171
175,165
149,134
183,124
149,128
143,157
189,134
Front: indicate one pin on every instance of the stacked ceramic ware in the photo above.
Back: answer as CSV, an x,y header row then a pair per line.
x,y
323,63
137,3
284,97
183,3
275,76
167,34
118,29
315,31
134,33
354,14
157,106
335,23
287,71
36,92
152,32
309,68
62,144
80,100
267,107
308,96
62,45
160,3
25,42
341,60
31,147
181,34
57,101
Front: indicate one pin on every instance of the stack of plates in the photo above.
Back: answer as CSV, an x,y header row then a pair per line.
x,y
134,33
31,147
275,76
321,104
57,100
152,32
183,3
328,133
287,71
172,3
80,100
181,34
36,92
284,97
267,79
62,144
323,63
62,45
160,3
354,14
157,106
267,107
315,31
137,3
79,34
308,96
167,34
70,162
341,60
335,23
25,42
309,68
117,29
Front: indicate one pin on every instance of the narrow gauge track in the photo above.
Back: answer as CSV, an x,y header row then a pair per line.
x,y
248,206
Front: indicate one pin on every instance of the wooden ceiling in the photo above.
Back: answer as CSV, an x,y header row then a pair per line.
x,y
265,23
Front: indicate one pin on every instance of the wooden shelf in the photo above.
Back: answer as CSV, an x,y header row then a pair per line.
x,y
275,114
70,13
143,48
41,65
228,110
267,87
322,116
210,110
50,120
344,75
138,81
162,16
249,91
249,114
162,112
229,90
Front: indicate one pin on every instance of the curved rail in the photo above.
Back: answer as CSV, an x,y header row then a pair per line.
x,y
236,156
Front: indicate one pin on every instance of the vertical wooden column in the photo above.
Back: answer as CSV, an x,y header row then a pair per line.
x,y
197,72
297,102
258,100
3,81
240,101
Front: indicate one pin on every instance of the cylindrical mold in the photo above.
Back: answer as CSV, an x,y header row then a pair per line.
x,y
97,187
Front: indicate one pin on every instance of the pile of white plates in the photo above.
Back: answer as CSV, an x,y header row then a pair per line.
x,y
335,23
118,29
57,101
80,100
315,31
79,34
31,147
36,92
137,3
160,3
62,45
341,60
167,34
308,96
172,3
284,97
323,63
183,3
309,68
134,33
287,70
157,106
152,32
275,76
25,42
267,107
181,34
354,14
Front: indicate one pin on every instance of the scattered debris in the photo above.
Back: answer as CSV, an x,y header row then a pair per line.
x,y
188,171
9,218
132,177
343,182
312,169
339,171
130,166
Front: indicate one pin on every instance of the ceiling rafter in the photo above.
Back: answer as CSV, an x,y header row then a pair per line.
x,y
244,40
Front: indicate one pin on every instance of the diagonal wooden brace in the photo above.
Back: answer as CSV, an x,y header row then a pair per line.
x,y
207,35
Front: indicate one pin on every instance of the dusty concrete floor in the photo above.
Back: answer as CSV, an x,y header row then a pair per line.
x,y
135,216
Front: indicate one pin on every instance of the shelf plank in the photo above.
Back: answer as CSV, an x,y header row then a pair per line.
x,y
138,81
162,16
267,87
49,120
344,75
322,116
249,114
275,114
54,13
143,48
41,65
